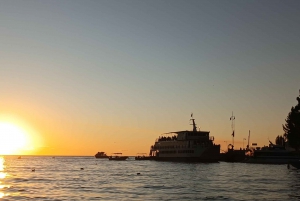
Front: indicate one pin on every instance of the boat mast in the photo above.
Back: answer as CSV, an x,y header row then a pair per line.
x,y
248,140
232,119
194,124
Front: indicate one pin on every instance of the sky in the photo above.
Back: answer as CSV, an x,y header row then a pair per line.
x,y
86,76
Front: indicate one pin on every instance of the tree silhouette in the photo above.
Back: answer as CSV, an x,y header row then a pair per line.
x,y
280,140
292,127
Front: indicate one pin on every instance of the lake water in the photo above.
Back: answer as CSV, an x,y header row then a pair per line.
x,y
61,178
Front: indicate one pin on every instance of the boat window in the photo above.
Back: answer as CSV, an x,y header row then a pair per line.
x,y
185,151
168,152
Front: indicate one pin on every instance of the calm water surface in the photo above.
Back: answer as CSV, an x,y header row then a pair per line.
x,y
61,178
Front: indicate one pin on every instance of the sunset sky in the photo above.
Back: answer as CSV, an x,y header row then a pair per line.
x,y
78,77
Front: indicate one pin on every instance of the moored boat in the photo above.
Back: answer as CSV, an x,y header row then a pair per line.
x,y
142,156
187,146
273,154
101,155
117,157
233,155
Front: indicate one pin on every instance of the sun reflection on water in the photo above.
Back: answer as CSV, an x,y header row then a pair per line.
x,y
2,163
2,176
2,166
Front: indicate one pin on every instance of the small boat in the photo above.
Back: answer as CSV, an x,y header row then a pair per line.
x,y
295,164
117,157
142,156
101,155
233,155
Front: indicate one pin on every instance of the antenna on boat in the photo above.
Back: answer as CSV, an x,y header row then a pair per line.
x,y
248,140
232,119
194,124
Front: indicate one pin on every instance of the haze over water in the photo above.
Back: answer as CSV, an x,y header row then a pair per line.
x,y
61,178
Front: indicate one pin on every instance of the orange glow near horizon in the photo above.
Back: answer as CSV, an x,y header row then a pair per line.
x,y
24,134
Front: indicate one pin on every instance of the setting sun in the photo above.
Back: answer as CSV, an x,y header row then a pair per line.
x,y
12,138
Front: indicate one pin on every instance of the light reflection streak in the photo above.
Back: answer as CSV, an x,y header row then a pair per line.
x,y
2,176
3,194
2,161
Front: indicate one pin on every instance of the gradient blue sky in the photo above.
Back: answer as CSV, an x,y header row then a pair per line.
x,y
113,75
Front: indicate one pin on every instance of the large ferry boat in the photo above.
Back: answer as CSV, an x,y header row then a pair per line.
x,y
189,146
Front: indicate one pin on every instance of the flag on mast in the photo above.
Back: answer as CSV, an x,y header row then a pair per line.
x,y
232,133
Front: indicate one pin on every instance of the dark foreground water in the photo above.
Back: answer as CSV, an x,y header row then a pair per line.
x,y
61,178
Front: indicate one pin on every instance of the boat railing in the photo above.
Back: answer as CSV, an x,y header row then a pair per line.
x,y
163,138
